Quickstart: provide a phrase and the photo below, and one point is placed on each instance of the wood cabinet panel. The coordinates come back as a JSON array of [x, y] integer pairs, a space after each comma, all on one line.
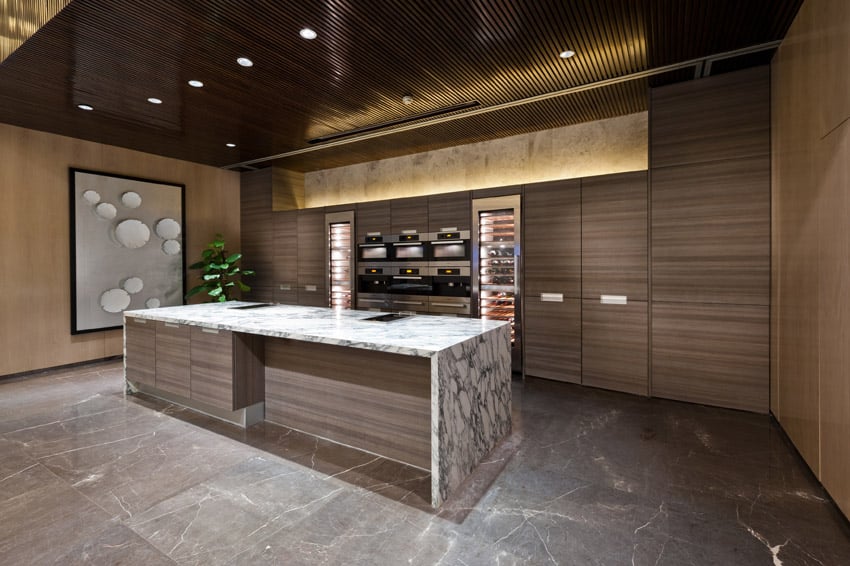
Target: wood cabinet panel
[[552, 238], [372, 217], [373, 400], [312, 242], [614, 346], [409, 214], [257, 233], [172, 358], [614, 232], [552, 339], [140, 356], [285, 250], [711, 354], [212, 367], [717, 118], [711, 232], [449, 210]]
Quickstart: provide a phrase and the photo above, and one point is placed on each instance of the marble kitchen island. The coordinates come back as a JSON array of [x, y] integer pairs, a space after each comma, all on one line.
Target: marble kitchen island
[[432, 392]]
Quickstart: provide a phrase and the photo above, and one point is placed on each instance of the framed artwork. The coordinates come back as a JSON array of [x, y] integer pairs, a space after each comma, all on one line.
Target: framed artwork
[[127, 239]]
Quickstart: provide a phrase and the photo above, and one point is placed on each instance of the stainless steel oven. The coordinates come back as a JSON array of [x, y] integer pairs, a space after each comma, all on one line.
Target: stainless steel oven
[[410, 279], [451, 289], [373, 282], [374, 249], [410, 248], [450, 246]]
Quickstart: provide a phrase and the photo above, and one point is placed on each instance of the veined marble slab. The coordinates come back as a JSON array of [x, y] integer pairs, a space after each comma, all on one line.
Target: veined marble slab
[[419, 335]]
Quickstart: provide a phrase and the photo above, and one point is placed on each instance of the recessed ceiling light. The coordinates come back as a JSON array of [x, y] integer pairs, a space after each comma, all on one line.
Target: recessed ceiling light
[[85, 107], [566, 54], [307, 33], [230, 144], [196, 84], [245, 62], [153, 100]]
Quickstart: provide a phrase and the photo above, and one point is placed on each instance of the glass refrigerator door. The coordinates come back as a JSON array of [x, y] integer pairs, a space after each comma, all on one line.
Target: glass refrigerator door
[[339, 269], [497, 273]]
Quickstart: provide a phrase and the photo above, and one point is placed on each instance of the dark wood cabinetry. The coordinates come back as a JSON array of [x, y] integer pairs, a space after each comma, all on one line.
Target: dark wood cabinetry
[[450, 210], [552, 339], [140, 336], [614, 225], [172, 358], [286, 257], [552, 238], [372, 217], [614, 346], [409, 215], [712, 354], [227, 368], [257, 232], [312, 241]]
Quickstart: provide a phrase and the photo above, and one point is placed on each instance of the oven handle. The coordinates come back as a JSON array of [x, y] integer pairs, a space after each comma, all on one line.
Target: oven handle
[[455, 305], [371, 245], [407, 243], [407, 277], [408, 302], [440, 242]]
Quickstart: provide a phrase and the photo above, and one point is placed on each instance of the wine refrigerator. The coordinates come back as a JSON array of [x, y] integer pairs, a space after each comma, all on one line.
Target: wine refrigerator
[[340, 260]]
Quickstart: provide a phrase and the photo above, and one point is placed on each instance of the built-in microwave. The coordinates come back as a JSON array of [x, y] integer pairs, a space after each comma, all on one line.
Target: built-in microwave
[[450, 246], [410, 248], [374, 249]]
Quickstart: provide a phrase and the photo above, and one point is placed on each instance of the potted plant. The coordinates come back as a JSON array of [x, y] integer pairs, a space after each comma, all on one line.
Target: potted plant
[[220, 272]]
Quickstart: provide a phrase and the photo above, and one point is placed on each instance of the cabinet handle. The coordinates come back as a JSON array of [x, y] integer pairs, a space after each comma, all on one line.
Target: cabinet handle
[[210, 330], [454, 305], [309, 287], [171, 325], [408, 303], [613, 299], [285, 287], [140, 321], [551, 297], [371, 300]]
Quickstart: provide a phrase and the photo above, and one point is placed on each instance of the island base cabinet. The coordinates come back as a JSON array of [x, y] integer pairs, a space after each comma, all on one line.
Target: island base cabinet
[[614, 345], [140, 351], [227, 368], [375, 401], [552, 339], [172, 358]]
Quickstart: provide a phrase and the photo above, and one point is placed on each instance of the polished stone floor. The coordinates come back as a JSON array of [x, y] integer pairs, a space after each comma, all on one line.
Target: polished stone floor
[[88, 476]]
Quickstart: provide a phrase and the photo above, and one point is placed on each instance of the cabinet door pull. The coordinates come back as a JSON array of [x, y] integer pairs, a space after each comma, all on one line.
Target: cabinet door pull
[[172, 325], [210, 330], [309, 287], [453, 305], [140, 321], [552, 297], [408, 303], [613, 299]]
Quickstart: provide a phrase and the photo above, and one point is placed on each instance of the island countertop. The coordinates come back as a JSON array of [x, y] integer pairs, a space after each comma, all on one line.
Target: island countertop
[[417, 335]]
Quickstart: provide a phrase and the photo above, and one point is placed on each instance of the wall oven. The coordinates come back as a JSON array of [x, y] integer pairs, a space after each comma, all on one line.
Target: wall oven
[[450, 246], [372, 287], [409, 248], [410, 280], [374, 249]]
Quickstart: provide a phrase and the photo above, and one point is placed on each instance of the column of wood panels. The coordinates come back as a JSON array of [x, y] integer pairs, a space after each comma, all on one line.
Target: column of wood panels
[[710, 240], [257, 233], [614, 337]]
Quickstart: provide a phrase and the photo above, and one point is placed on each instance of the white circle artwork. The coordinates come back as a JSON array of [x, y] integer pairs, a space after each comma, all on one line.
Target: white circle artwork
[[133, 285], [152, 303], [131, 199], [115, 300], [92, 197], [132, 233], [171, 247], [106, 211], [168, 229]]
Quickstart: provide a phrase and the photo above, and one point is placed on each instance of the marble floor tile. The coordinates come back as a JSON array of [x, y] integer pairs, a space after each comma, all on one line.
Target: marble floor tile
[[588, 477]]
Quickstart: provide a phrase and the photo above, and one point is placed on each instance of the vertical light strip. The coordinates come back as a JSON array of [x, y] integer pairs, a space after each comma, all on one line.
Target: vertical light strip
[[20, 19]]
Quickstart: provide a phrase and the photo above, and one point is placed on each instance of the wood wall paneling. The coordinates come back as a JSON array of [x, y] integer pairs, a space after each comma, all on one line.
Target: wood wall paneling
[[711, 232], [450, 210], [552, 238], [34, 330], [614, 223], [614, 346], [173, 358], [285, 257], [552, 339], [372, 217], [249, 369], [373, 400], [212, 367], [257, 233], [711, 354], [312, 241], [141, 351], [718, 118], [409, 214]]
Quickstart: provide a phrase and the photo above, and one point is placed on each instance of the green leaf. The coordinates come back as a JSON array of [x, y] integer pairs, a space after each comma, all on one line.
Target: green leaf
[[198, 265], [247, 272], [196, 290], [243, 286], [212, 277], [222, 299], [233, 258], [230, 284], [207, 254], [216, 292]]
